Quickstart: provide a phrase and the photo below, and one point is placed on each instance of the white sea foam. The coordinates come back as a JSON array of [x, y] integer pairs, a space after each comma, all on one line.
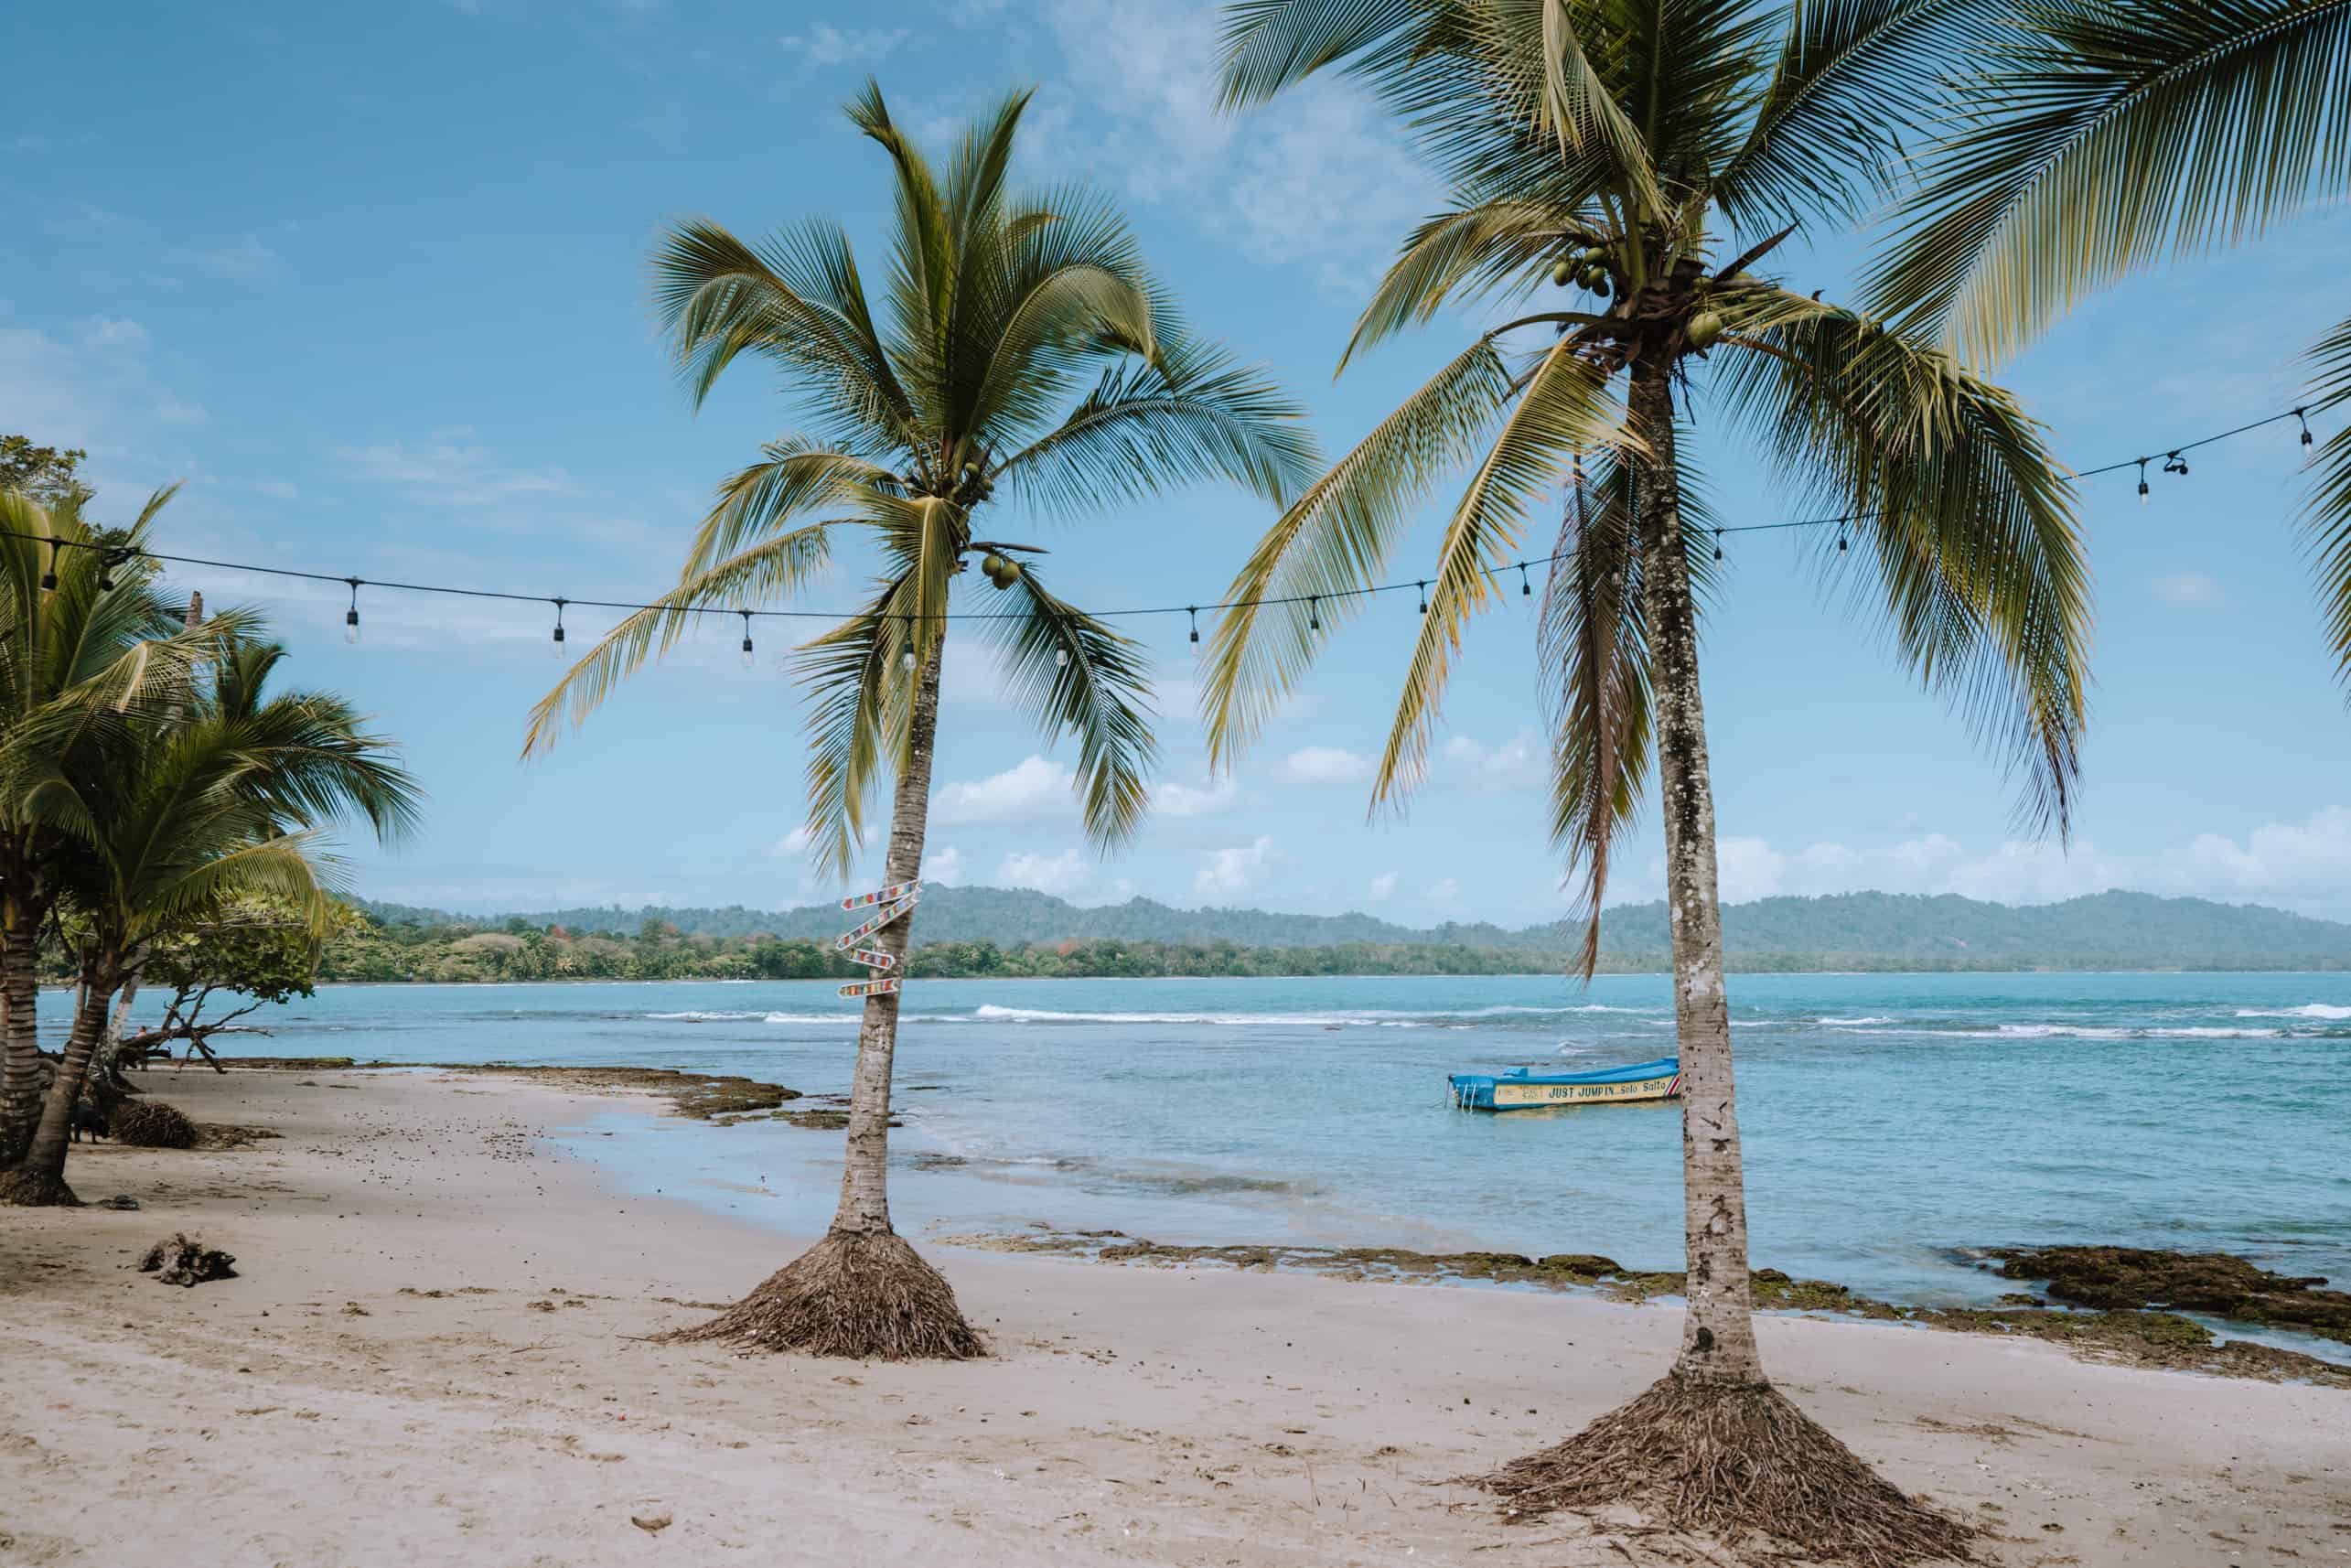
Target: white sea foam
[[1363, 1018], [1851, 1022], [763, 1017], [2308, 1010]]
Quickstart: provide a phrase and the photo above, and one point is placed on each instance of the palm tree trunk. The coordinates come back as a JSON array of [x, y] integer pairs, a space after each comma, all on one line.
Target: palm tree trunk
[[1711, 1447], [108, 1066], [862, 1291], [1718, 1337], [39, 1180], [20, 1036], [864, 1175]]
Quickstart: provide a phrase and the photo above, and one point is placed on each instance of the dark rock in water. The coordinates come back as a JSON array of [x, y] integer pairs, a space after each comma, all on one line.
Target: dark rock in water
[[1590, 1265], [2129, 1278], [186, 1260], [120, 1200]]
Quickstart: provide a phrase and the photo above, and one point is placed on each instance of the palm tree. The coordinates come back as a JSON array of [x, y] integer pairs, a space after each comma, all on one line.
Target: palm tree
[[1653, 156], [165, 821], [1025, 347], [2097, 138], [71, 654]]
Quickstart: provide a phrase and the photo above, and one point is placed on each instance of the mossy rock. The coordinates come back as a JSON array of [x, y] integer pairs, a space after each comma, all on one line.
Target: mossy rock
[[153, 1124]]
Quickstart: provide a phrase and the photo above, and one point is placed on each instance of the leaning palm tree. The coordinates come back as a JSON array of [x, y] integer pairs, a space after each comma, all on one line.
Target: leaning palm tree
[[163, 821], [87, 638], [1655, 156], [1025, 348], [2098, 138]]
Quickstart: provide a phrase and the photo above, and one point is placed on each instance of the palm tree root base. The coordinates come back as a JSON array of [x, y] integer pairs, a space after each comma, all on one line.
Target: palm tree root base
[[22, 1189], [864, 1294], [1733, 1461]]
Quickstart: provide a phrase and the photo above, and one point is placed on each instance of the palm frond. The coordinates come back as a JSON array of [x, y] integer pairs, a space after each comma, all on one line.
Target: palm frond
[[1078, 677], [1334, 541], [852, 676], [1966, 520], [2109, 136], [770, 569], [794, 476], [1565, 407], [2326, 519], [1195, 415]]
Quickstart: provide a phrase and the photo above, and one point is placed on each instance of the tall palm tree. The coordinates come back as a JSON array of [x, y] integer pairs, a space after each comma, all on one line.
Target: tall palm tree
[[2098, 138], [163, 821], [1026, 348], [73, 655], [1655, 156]]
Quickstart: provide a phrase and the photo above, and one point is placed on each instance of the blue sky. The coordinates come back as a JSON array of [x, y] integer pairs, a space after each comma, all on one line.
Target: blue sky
[[373, 282]]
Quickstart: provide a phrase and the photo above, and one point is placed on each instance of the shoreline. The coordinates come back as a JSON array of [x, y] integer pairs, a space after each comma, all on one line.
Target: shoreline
[[434, 1350]]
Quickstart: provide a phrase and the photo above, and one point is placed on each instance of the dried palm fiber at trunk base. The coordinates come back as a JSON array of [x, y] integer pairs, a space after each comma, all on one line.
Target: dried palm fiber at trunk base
[[152, 1125], [23, 1188], [863, 1295], [186, 1260], [1735, 1462]]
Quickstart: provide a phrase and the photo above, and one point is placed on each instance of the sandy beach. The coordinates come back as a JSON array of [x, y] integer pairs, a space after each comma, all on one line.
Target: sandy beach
[[435, 1352]]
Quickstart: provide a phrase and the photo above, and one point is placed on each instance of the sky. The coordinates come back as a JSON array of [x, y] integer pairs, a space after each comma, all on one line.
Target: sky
[[373, 282]]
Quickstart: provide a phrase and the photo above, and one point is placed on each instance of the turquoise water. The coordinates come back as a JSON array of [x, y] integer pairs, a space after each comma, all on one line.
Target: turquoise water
[[1890, 1120]]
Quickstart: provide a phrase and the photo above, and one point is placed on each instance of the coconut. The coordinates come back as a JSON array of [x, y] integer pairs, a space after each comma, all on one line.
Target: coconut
[[1704, 329], [993, 564], [1562, 272]]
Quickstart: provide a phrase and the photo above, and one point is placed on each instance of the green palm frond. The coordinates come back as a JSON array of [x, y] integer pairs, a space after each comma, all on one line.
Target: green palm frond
[[923, 272], [1967, 518], [794, 476], [1592, 661], [854, 677], [2326, 521], [772, 567], [1081, 677], [2107, 136], [1334, 541], [1195, 415], [1489, 247], [1564, 407]]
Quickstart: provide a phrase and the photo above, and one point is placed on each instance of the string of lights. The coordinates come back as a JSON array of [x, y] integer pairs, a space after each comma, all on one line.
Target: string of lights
[[2173, 460]]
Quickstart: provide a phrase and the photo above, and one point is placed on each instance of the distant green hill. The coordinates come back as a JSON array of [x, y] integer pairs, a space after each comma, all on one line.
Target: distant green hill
[[1850, 930]]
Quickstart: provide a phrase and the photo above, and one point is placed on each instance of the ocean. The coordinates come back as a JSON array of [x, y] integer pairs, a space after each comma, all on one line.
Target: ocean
[[1892, 1122]]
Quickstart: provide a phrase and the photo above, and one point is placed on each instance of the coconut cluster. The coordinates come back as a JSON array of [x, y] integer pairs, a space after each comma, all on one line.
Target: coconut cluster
[[1001, 570]]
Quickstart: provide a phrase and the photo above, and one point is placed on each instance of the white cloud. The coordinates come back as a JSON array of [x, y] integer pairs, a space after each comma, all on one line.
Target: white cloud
[[1227, 872], [942, 864], [450, 466], [1444, 892], [1033, 788], [1319, 176], [276, 489], [1323, 765], [1060, 875], [2189, 588], [1515, 764], [114, 332], [1383, 887], [1196, 800], [172, 410], [245, 261], [793, 843], [824, 44]]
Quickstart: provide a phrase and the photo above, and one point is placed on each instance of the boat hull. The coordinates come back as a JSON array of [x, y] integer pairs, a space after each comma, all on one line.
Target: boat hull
[[1616, 1086]]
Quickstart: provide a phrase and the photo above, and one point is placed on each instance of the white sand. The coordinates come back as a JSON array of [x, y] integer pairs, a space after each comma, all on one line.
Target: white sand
[[1130, 1415]]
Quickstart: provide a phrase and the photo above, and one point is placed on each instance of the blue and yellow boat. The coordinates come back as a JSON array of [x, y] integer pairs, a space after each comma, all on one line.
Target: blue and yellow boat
[[1519, 1090]]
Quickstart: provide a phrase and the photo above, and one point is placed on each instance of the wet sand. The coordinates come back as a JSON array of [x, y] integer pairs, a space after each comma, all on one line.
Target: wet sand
[[434, 1353]]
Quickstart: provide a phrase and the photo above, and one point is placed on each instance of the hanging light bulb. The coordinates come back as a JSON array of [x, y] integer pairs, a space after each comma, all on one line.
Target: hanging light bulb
[[557, 645], [1313, 613], [351, 615], [1193, 611], [49, 578], [747, 658], [1424, 598], [2143, 481], [1061, 658], [2302, 415], [1525, 587], [1718, 544]]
